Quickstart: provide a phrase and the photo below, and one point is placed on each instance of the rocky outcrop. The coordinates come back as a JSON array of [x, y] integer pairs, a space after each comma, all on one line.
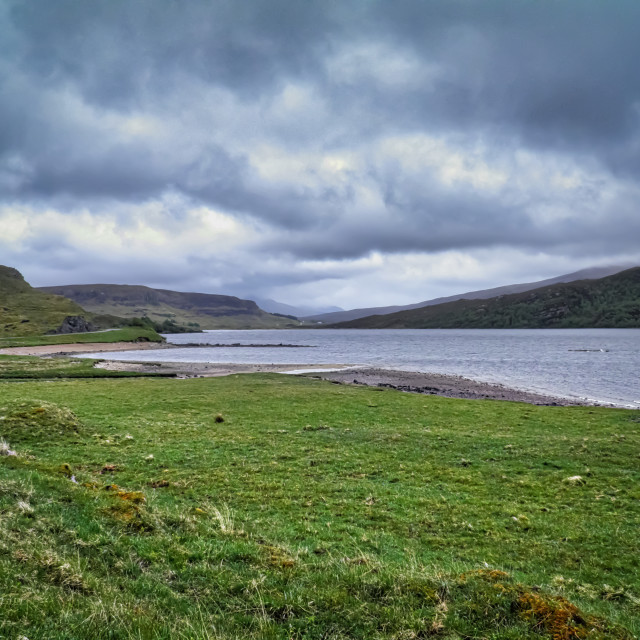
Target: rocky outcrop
[[74, 324]]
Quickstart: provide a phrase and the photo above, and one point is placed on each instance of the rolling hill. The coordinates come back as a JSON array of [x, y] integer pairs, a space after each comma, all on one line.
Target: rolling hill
[[26, 311], [613, 301], [354, 314], [196, 310]]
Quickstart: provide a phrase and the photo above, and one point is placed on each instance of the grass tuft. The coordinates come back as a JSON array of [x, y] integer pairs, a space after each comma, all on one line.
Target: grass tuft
[[5, 449]]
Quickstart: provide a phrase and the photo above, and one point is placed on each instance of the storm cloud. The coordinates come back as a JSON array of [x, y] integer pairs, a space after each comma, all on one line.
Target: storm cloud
[[350, 153]]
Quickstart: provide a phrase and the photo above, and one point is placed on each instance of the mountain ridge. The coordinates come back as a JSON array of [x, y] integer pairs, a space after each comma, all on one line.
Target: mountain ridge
[[354, 314], [612, 301], [191, 309]]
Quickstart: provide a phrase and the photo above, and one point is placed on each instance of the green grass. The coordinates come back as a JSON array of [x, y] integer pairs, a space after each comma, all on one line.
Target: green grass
[[33, 367], [27, 311], [126, 334], [312, 510], [32, 312]]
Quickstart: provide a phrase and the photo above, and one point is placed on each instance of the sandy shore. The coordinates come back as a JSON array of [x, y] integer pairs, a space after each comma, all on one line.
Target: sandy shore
[[71, 349], [206, 369]]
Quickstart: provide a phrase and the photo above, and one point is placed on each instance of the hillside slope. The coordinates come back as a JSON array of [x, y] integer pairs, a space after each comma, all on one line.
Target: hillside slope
[[613, 301], [354, 314], [197, 310], [26, 311]]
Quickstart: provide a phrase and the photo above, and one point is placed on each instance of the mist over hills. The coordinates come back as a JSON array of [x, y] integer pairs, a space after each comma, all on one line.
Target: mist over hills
[[195, 310], [299, 311], [612, 301], [354, 314]]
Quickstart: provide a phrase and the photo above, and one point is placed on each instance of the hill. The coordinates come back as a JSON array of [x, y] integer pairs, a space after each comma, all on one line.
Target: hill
[[26, 311], [354, 314], [613, 301], [196, 310]]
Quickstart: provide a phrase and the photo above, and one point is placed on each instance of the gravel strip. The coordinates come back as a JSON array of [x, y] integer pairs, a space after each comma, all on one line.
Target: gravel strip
[[449, 386]]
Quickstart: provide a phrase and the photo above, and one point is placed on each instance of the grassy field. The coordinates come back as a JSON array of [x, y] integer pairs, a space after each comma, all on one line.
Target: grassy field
[[126, 334], [266, 506]]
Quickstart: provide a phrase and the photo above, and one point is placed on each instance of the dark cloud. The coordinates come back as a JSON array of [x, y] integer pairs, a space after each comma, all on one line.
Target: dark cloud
[[116, 51], [283, 113]]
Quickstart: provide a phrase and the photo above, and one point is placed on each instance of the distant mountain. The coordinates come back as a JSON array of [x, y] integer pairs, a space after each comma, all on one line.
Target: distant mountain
[[354, 314], [26, 311], [613, 301], [196, 310], [273, 306]]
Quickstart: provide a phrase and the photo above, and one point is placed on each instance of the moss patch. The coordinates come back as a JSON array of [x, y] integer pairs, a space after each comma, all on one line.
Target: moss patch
[[24, 421]]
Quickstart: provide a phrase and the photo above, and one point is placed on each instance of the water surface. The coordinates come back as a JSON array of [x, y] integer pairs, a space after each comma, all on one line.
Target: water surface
[[595, 364]]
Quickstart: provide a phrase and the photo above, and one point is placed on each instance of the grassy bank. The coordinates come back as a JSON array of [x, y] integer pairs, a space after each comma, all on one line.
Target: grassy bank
[[36, 368], [126, 334], [265, 506]]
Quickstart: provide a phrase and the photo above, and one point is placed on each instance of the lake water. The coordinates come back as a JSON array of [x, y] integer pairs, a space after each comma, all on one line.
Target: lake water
[[595, 364]]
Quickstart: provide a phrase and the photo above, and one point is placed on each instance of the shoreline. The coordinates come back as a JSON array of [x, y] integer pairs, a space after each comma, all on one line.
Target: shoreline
[[81, 347], [205, 369], [449, 386], [446, 385], [107, 347]]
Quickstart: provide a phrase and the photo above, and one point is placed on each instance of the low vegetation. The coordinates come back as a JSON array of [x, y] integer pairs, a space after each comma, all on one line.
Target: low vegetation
[[612, 302], [27, 311], [266, 506], [125, 334]]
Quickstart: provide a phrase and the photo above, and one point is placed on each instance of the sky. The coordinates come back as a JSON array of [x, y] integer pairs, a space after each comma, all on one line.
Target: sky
[[333, 152]]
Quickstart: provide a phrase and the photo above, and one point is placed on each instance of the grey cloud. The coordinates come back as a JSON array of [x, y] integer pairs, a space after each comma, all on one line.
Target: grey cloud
[[557, 79], [556, 74], [116, 49], [424, 218]]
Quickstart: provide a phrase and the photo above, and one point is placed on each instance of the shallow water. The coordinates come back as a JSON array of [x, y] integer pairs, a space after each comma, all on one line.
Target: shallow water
[[594, 364]]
